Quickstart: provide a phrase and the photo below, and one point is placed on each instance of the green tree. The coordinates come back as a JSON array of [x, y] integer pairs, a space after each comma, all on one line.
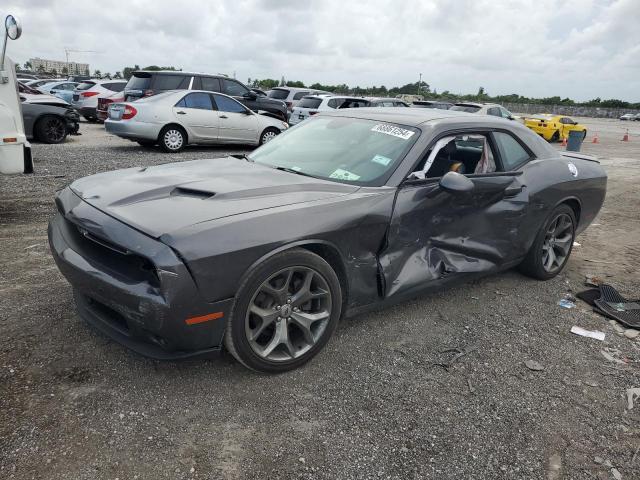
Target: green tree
[[296, 84], [28, 65], [117, 75], [65, 70], [97, 74], [40, 68], [54, 72]]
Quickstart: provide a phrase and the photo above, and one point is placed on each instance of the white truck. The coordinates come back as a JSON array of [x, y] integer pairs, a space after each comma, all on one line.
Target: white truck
[[15, 150]]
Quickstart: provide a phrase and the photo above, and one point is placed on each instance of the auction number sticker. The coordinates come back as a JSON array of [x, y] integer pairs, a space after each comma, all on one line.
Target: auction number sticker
[[402, 133]]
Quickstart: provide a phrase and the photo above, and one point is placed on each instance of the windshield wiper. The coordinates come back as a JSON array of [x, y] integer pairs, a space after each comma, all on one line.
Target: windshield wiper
[[291, 170]]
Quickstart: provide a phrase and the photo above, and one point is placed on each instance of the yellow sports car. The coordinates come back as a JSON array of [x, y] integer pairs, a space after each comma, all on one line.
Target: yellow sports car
[[553, 127]]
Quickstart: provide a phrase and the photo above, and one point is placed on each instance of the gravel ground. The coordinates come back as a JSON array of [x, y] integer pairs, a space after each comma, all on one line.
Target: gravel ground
[[374, 404]]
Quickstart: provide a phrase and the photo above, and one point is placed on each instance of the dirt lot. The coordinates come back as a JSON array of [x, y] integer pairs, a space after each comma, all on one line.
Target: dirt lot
[[74, 405]]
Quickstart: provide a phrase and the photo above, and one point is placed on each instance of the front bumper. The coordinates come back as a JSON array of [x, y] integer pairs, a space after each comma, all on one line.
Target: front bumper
[[132, 287]]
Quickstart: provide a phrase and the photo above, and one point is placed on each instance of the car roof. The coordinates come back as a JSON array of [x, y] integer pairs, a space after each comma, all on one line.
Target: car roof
[[180, 72]]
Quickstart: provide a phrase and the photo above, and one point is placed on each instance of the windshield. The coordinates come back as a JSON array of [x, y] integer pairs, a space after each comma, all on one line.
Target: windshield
[[85, 85], [465, 108], [278, 93], [347, 150], [140, 81]]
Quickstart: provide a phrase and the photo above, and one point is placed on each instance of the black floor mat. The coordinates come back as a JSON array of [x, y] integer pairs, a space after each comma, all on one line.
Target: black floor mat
[[614, 305]]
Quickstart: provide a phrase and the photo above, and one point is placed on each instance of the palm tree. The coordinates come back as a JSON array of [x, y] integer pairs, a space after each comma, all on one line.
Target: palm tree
[[65, 71], [117, 75], [28, 65], [97, 74]]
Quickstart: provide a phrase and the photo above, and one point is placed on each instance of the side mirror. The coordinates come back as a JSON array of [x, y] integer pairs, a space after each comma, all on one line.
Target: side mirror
[[453, 182], [251, 95], [13, 27]]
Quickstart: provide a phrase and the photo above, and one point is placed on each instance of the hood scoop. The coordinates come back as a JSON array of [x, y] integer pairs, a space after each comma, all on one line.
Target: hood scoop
[[192, 193]]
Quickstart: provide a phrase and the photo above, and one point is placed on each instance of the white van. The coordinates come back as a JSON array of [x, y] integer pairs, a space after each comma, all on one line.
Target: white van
[[15, 151]]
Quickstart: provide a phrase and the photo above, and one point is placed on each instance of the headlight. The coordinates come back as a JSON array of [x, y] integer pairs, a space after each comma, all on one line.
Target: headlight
[[285, 125]]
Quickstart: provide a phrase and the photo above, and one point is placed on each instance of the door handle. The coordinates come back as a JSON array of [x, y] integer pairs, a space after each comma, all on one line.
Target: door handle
[[181, 113], [223, 116], [513, 190]]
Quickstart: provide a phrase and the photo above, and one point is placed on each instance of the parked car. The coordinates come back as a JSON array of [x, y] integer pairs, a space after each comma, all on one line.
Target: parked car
[[49, 123], [553, 127], [61, 89], [292, 95], [432, 104], [385, 102], [637, 117], [314, 104], [334, 217], [40, 81], [177, 118], [628, 116], [43, 99], [25, 76], [144, 83], [85, 96], [102, 110], [483, 109]]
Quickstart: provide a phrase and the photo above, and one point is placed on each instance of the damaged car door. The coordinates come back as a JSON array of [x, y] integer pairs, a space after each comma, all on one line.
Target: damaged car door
[[457, 215]]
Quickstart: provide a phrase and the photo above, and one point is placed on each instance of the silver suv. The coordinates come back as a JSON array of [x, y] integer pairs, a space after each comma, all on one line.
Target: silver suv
[[484, 109]]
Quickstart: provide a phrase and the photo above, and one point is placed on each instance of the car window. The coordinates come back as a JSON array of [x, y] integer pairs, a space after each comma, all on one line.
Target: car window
[[226, 104], [512, 153], [333, 103], [505, 113], [467, 154], [171, 82], [495, 111], [233, 88], [299, 95], [85, 85], [341, 149], [115, 86], [310, 102], [199, 100], [211, 84], [279, 93], [465, 108], [68, 86]]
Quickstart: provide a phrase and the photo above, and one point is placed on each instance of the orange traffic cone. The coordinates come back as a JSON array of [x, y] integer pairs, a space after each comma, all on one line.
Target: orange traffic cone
[[626, 136], [596, 139], [564, 142]]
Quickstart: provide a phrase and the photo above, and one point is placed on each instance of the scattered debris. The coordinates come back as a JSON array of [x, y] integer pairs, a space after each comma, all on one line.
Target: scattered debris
[[617, 327], [616, 474], [302, 460], [459, 353], [633, 459], [471, 389], [598, 460], [566, 303], [610, 354], [597, 335], [631, 333], [632, 393], [576, 244], [32, 246], [533, 365], [592, 281]]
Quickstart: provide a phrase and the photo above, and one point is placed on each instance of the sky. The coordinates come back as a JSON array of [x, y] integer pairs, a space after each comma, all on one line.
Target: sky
[[580, 49]]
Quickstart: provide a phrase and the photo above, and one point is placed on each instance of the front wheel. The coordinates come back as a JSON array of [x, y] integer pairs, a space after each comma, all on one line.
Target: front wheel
[[50, 129], [552, 246], [284, 313], [172, 139], [268, 135], [555, 137]]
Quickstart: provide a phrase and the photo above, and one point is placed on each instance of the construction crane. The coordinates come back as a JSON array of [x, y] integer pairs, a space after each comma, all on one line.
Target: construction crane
[[67, 51]]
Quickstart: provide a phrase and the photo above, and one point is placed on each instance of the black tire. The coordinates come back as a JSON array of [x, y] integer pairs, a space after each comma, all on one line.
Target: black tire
[[555, 137], [533, 264], [175, 142], [146, 143], [238, 325], [584, 135], [268, 134], [51, 129]]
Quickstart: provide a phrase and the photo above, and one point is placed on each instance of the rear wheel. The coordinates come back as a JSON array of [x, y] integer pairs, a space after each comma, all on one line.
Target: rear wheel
[[50, 129], [268, 135], [555, 137], [284, 313], [172, 139], [551, 249]]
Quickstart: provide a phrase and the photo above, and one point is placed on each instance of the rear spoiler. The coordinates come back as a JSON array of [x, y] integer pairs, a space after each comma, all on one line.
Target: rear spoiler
[[581, 156]]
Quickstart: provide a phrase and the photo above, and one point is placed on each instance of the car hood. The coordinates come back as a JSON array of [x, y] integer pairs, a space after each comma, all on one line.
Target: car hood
[[166, 198]]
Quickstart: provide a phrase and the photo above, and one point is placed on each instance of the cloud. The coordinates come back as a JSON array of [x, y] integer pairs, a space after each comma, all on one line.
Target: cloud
[[532, 47]]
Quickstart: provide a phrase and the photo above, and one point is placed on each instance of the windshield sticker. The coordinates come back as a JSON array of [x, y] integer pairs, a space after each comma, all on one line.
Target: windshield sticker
[[344, 175], [402, 133], [381, 159]]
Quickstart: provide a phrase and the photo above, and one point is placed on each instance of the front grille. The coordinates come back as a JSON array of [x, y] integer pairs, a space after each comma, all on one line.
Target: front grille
[[115, 259], [108, 314]]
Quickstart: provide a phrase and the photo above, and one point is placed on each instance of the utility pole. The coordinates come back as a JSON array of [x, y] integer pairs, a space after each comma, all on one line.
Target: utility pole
[[420, 85]]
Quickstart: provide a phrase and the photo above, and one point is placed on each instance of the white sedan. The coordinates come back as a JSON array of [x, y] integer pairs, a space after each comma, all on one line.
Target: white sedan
[[178, 118]]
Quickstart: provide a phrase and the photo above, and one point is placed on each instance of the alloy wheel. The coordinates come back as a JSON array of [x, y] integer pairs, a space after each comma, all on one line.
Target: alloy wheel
[[288, 314], [557, 243], [268, 136], [55, 130], [173, 139]]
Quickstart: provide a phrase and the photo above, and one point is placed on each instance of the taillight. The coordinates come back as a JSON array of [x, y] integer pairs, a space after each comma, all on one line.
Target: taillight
[[147, 93], [88, 94], [129, 112]]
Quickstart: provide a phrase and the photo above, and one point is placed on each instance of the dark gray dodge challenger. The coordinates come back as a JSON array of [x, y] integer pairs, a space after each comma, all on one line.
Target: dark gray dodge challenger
[[347, 211]]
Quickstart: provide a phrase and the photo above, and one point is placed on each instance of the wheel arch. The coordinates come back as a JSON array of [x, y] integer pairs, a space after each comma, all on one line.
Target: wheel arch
[[575, 205], [324, 249]]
